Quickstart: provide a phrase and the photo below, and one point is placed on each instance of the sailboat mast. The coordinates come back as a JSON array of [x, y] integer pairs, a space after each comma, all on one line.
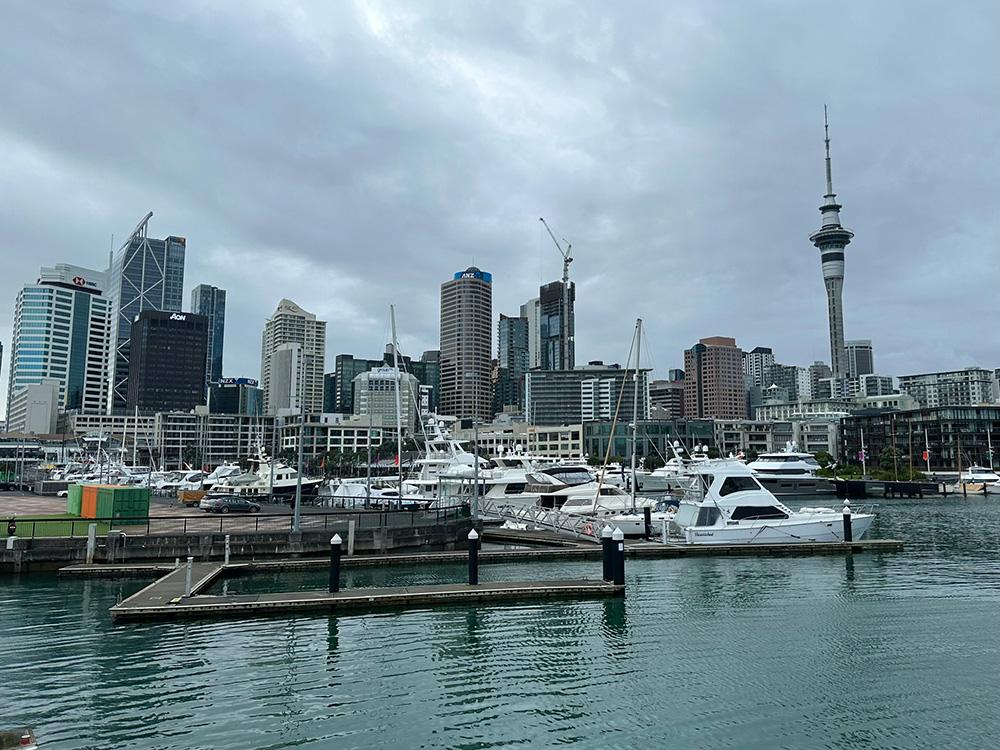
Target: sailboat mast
[[635, 402], [399, 406]]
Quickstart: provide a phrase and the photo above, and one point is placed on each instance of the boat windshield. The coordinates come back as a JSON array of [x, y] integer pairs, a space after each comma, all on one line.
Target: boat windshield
[[738, 484]]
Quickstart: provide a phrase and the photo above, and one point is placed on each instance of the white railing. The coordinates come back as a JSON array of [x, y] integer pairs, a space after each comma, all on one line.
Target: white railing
[[585, 528]]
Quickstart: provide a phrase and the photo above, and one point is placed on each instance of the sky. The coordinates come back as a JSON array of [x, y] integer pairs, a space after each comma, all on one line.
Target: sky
[[350, 156]]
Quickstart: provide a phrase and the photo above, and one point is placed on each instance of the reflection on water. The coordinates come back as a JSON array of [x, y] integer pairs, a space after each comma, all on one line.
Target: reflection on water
[[867, 650]]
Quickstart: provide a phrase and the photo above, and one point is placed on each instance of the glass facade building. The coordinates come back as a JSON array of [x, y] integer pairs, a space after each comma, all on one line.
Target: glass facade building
[[210, 301], [145, 274], [61, 332], [167, 361]]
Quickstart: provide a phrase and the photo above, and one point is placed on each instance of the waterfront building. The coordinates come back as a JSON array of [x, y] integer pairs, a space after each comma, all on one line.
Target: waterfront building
[[290, 324], [236, 396], [860, 357], [804, 409], [654, 437], [941, 429], [202, 439], [167, 354], [592, 391], [713, 379], [346, 434], [968, 387], [34, 409], [210, 301], [831, 240], [467, 345], [756, 364], [61, 333], [666, 398], [145, 274], [512, 363], [870, 384], [375, 395], [501, 437]]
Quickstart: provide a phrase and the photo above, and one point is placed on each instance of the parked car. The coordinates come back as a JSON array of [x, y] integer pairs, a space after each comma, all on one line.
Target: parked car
[[228, 505], [62, 493]]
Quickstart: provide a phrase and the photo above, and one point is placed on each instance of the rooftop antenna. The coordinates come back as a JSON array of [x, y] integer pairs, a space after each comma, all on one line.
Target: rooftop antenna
[[829, 172]]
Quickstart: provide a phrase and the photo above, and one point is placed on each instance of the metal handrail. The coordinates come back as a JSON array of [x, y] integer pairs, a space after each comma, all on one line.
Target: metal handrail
[[588, 528], [205, 523]]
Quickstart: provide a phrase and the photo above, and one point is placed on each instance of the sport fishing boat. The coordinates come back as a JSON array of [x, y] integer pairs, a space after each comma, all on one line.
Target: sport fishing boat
[[728, 505]]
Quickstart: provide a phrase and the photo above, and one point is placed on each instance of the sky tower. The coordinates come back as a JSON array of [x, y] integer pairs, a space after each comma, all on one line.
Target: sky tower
[[831, 240]]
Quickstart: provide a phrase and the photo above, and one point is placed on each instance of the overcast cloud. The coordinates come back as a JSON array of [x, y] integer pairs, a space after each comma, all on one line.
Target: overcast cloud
[[352, 155]]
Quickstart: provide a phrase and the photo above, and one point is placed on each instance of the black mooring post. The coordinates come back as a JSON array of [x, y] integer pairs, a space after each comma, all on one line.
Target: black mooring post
[[335, 544], [607, 554], [618, 542], [848, 534], [473, 558], [647, 519]]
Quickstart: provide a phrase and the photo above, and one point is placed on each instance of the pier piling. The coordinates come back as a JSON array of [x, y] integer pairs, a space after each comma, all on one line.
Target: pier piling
[[226, 559], [473, 558], [335, 547], [618, 541], [848, 532], [187, 578], [607, 554]]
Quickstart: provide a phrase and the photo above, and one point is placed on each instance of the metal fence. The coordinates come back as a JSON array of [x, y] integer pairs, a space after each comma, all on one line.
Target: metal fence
[[257, 523]]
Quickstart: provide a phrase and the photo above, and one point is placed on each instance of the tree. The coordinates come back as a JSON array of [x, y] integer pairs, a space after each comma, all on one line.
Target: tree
[[714, 452], [823, 458], [890, 459], [652, 462]]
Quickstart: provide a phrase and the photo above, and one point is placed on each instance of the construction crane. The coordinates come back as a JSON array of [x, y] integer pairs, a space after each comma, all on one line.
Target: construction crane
[[565, 350], [565, 253]]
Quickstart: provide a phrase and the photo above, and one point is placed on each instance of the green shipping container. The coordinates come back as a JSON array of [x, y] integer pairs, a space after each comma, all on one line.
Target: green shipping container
[[74, 499], [125, 503]]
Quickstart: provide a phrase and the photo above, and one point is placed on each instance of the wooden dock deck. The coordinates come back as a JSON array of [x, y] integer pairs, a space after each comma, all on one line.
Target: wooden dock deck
[[164, 601]]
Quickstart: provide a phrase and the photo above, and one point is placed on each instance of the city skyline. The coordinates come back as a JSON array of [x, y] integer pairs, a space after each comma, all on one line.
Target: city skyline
[[654, 173]]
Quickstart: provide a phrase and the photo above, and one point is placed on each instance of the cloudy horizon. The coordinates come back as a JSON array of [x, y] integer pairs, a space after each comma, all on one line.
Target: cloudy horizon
[[349, 156]]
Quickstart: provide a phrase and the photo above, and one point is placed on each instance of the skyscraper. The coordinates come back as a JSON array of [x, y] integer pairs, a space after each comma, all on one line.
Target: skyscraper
[[713, 380], [210, 301], [512, 363], [145, 274], [61, 333], [167, 354], [467, 344], [755, 364], [860, 358], [831, 240], [290, 324], [532, 312], [556, 322]]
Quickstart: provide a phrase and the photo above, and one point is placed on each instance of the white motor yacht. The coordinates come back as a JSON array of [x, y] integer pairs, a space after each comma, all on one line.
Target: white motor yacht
[[257, 483], [729, 506], [978, 475], [791, 473]]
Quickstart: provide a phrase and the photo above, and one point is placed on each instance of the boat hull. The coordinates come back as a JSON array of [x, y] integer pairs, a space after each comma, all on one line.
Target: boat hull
[[827, 528]]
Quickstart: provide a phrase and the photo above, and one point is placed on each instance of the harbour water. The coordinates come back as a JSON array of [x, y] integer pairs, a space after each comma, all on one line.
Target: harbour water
[[893, 650]]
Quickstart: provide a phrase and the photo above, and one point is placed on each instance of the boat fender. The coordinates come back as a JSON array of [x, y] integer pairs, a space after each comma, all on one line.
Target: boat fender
[[588, 530]]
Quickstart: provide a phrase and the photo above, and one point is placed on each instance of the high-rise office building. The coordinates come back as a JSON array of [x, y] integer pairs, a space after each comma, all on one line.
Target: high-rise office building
[[512, 363], [340, 393], [969, 387], [831, 240], [290, 324], [588, 392], [236, 396], [755, 364], [375, 395], [210, 301], [61, 333], [467, 345], [145, 274], [860, 358], [532, 312], [167, 361], [556, 325], [713, 380]]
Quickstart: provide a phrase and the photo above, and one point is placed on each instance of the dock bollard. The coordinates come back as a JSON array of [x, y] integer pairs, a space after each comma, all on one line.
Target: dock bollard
[[226, 559], [607, 554], [647, 520], [187, 578], [848, 536], [618, 543], [473, 558], [335, 546], [663, 531], [91, 543]]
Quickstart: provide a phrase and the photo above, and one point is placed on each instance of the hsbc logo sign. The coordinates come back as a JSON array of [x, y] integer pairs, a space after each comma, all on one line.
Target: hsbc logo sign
[[80, 281], [178, 316]]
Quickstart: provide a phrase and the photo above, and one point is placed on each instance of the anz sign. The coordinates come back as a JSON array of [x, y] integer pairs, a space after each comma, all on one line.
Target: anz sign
[[475, 274]]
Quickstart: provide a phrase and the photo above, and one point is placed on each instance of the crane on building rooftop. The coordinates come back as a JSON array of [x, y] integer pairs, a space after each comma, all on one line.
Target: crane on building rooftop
[[565, 253]]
